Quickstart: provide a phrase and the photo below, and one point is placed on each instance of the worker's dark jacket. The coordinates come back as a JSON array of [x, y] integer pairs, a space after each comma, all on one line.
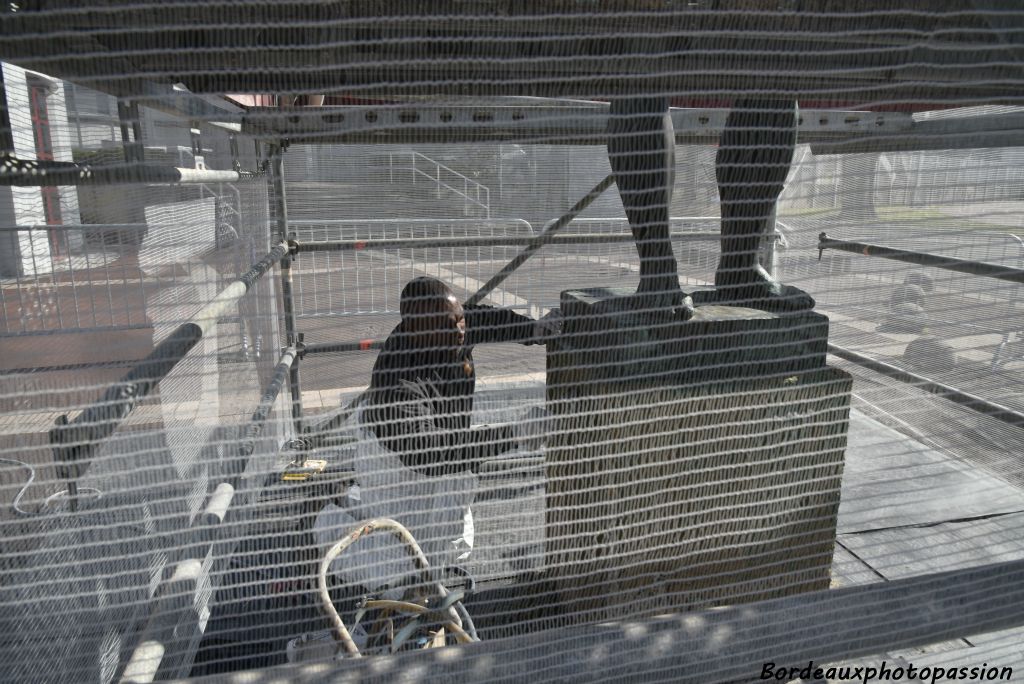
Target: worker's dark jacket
[[429, 425]]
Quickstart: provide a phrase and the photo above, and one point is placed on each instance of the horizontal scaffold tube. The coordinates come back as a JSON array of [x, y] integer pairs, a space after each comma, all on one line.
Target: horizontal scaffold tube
[[73, 441], [31, 172], [267, 401], [1014, 275], [488, 241], [97, 227], [335, 347], [975, 403]]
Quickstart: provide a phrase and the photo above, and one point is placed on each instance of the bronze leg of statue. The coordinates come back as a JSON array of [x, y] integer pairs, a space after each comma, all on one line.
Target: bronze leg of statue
[[754, 156], [641, 149]]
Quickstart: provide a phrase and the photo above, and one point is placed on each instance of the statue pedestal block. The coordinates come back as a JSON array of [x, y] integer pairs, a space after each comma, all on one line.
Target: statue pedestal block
[[691, 463]]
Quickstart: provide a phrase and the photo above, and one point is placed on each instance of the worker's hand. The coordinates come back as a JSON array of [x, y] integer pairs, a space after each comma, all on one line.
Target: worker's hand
[[550, 325]]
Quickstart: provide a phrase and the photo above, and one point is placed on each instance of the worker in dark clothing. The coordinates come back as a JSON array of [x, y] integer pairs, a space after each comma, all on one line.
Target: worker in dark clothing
[[420, 401], [414, 455]]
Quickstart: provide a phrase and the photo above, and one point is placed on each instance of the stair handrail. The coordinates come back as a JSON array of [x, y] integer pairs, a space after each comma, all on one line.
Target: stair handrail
[[467, 182]]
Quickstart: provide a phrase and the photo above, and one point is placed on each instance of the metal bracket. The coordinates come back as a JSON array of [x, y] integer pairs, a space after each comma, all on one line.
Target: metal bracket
[[73, 445], [67, 449], [131, 131], [196, 132], [233, 144]]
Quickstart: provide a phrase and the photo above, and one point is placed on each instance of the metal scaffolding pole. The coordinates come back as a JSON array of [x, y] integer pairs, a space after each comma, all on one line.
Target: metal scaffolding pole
[[975, 403], [1014, 275], [74, 441], [292, 338], [488, 241], [31, 172], [338, 347], [266, 405]]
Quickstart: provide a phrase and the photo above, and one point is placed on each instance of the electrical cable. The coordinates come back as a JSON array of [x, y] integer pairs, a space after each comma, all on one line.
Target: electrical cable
[[28, 483], [16, 504], [64, 492], [447, 611]]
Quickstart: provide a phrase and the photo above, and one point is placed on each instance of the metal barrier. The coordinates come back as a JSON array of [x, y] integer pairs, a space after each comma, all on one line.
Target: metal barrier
[[74, 277], [364, 282], [920, 313], [350, 268], [99, 276], [684, 232], [695, 242]]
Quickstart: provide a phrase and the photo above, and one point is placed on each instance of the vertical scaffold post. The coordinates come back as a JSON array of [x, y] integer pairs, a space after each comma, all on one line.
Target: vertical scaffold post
[[6, 137], [131, 131], [291, 338], [136, 122]]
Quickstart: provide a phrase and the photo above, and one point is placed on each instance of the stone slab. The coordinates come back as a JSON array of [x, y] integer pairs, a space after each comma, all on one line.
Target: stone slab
[[619, 342], [902, 552], [891, 480]]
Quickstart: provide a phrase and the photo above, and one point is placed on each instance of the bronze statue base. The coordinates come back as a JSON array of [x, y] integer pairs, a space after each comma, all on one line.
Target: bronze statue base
[[692, 462]]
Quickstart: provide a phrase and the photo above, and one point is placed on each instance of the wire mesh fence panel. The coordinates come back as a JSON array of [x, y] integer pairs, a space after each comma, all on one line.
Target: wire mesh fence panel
[[366, 279], [98, 519], [510, 341]]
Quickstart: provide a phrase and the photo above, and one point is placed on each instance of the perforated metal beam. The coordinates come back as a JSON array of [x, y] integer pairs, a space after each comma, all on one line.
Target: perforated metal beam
[[583, 123], [971, 132]]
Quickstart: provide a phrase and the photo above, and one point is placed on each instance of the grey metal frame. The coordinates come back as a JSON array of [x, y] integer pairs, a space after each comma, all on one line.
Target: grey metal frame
[[74, 441], [20, 172]]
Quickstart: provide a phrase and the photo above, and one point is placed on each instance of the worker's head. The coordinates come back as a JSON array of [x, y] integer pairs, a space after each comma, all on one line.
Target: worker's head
[[430, 310]]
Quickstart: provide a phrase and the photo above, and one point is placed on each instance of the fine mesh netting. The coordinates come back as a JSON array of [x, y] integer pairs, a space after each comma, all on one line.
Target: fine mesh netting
[[498, 341]]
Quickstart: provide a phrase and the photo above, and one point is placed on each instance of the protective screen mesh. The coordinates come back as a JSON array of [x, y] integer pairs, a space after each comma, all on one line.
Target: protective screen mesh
[[679, 341]]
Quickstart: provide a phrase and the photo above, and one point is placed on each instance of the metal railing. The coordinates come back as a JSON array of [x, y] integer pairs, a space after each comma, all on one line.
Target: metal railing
[[919, 312], [446, 178], [362, 281], [695, 243], [98, 276], [353, 267], [73, 277]]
